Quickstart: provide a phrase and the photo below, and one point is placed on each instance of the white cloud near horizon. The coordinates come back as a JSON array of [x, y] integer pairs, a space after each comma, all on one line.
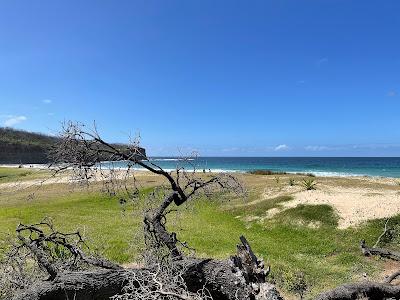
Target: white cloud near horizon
[[13, 120], [282, 147], [316, 148], [47, 101], [392, 93]]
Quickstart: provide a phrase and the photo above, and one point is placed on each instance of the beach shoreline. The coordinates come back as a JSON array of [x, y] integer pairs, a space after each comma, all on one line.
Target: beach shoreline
[[355, 199], [213, 171]]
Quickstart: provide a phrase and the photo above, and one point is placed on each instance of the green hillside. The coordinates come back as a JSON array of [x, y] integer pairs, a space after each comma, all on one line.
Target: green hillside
[[18, 146], [23, 147]]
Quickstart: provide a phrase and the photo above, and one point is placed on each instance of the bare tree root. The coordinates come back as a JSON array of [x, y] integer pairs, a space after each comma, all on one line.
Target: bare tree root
[[392, 277]]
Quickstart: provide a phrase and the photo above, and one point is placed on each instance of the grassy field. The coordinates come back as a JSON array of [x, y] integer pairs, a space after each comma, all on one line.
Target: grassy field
[[16, 174], [300, 239]]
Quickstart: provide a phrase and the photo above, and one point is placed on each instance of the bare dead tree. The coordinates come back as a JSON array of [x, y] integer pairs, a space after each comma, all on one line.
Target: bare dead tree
[[83, 151], [168, 273]]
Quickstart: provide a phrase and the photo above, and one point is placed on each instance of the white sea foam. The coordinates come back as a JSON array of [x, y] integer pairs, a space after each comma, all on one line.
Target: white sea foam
[[197, 170], [329, 174], [171, 159]]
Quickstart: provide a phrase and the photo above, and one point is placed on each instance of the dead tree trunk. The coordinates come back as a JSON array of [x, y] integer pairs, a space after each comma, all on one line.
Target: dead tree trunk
[[89, 285], [241, 277]]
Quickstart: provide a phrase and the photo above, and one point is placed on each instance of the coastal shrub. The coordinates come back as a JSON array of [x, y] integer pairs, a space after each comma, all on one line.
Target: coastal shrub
[[292, 182], [297, 284], [266, 172], [294, 281], [309, 184], [306, 174], [277, 179]]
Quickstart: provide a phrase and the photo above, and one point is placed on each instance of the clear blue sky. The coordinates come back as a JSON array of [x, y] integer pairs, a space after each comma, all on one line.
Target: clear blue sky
[[228, 78]]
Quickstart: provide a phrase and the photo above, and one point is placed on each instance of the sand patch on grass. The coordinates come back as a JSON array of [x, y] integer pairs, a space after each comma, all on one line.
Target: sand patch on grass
[[353, 204]]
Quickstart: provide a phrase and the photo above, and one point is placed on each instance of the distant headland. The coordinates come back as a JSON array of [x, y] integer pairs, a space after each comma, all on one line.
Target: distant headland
[[24, 147]]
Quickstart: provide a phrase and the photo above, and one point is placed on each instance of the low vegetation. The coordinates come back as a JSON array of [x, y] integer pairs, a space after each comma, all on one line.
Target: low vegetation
[[266, 172], [16, 174], [306, 174], [318, 215], [325, 255], [309, 184]]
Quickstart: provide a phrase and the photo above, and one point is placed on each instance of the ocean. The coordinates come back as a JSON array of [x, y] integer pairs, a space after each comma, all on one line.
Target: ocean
[[320, 166]]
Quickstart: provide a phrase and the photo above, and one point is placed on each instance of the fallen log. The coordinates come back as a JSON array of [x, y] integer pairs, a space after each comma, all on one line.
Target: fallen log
[[96, 284], [240, 277], [368, 290]]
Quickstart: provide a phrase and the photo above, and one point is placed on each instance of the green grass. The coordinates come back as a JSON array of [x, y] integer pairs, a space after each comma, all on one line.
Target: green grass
[[326, 255], [322, 214], [259, 208], [101, 218], [13, 173], [18, 174]]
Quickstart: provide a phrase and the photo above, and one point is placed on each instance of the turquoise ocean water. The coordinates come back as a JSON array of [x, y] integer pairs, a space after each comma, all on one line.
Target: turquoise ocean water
[[320, 166]]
